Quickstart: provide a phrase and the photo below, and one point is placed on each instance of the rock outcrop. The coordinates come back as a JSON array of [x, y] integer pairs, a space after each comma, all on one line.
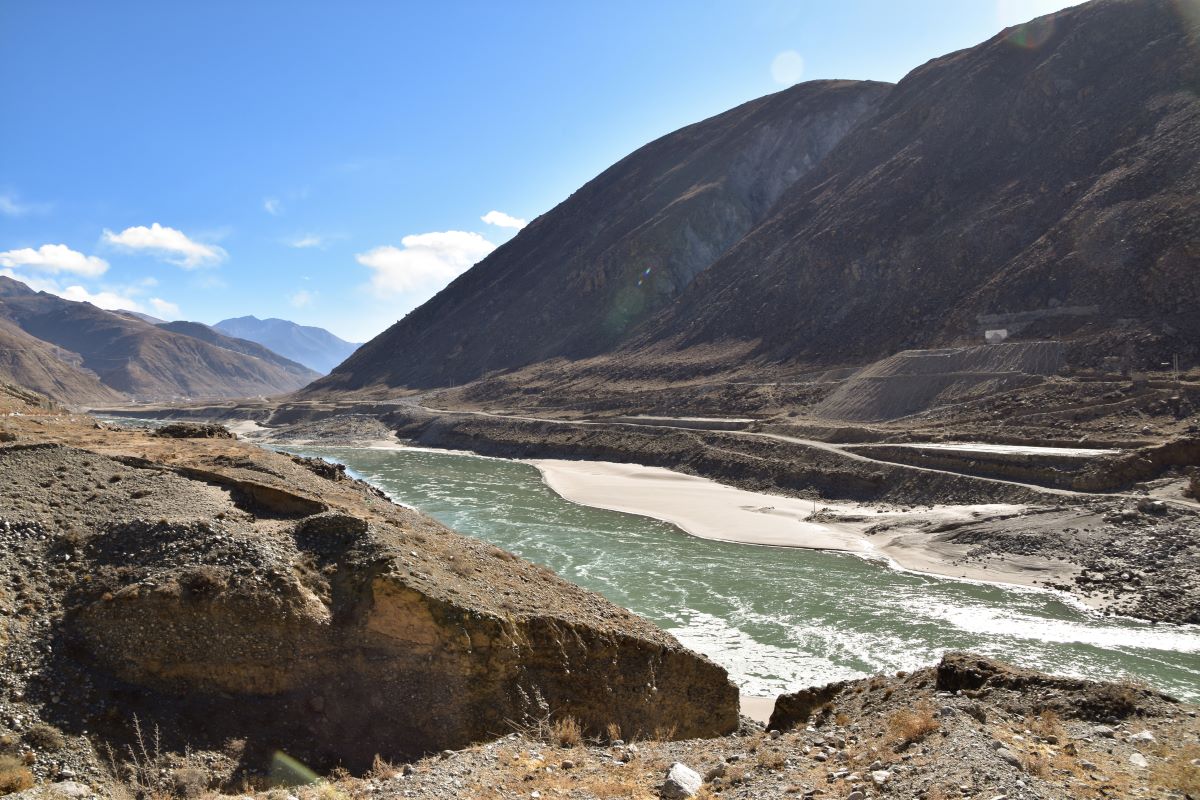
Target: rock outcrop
[[334, 629]]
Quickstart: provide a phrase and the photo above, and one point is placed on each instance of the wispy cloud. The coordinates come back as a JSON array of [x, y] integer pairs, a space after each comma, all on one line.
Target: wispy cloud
[[502, 220], [171, 244], [302, 299], [424, 260], [273, 206], [306, 240], [10, 206], [164, 308], [54, 258]]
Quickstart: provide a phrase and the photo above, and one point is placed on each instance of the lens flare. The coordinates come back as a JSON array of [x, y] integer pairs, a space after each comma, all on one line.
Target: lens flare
[[288, 771], [1032, 34]]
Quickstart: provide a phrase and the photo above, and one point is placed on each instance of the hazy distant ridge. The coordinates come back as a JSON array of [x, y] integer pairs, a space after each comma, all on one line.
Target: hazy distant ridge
[[315, 348]]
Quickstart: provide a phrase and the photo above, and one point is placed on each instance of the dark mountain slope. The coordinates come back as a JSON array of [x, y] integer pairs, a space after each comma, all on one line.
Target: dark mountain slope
[[315, 348], [138, 358], [1002, 179], [205, 333], [579, 278], [34, 364]]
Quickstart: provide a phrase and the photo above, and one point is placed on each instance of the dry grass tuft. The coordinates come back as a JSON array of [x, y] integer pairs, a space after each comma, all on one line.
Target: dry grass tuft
[[1179, 771], [912, 725], [770, 758], [666, 734], [14, 775], [1045, 724], [566, 732], [1035, 764], [382, 769], [612, 731], [45, 736]]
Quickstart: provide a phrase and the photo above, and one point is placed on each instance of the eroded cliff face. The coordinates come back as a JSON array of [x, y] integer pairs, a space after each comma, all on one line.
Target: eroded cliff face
[[334, 636]]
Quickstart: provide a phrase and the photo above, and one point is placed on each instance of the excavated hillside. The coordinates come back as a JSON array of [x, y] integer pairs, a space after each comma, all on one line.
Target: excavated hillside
[[577, 280], [223, 592], [136, 358]]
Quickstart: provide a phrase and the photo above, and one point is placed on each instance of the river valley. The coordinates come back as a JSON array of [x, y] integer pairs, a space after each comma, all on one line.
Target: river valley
[[777, 618]]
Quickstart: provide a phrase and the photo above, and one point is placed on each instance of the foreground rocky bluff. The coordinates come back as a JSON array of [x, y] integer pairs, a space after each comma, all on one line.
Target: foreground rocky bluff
[[228, 592]]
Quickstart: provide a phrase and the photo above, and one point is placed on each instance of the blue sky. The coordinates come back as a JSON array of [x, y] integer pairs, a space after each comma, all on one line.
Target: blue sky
[[333, 163]]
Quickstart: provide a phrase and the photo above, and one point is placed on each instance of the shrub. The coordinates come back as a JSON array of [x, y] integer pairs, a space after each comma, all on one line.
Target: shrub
[[14, 775], [912, 725], [45, 736], [566, 732]]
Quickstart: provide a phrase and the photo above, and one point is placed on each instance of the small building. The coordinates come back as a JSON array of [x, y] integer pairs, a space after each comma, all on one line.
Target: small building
[[995, 336]]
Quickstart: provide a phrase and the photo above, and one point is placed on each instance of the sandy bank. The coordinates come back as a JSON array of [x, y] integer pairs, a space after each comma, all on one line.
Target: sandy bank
[[702, 507], [710, 510]]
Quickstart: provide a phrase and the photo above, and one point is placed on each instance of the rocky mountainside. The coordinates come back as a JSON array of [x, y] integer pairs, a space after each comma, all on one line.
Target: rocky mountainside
[[578, 279], [315, 348], [207, 333], [30, 363], [135, 358], [1044, 182], [1049, 177]]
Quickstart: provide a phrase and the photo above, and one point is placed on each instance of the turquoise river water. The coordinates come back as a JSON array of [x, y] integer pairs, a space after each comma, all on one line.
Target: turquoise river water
[[777, 618]]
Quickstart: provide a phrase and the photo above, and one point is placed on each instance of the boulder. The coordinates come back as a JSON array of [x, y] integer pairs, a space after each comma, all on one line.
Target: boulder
[[682, 782]]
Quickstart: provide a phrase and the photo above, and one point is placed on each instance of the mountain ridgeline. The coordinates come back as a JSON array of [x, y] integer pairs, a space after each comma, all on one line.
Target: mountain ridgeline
[[79, 354], [1046, 181]]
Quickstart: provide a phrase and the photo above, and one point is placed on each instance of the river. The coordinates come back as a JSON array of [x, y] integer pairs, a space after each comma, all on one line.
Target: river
[[777, 618]]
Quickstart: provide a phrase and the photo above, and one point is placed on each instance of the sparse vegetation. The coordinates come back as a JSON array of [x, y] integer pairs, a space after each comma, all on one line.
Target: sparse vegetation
[[566, 732], [1046, 724], [1179, 771], [14, 775], [912, 725], [44, 736]]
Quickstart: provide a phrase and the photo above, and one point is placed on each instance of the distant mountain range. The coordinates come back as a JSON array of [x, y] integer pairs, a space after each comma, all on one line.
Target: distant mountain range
[[82, 355], [1045, 182], [315, 348]]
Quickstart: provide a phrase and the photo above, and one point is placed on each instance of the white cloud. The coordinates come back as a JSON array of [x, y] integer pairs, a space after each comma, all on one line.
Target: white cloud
[[307, 240], [174, 245], [502, 220], [272, 206], [425, 260], [120, 297], [54, 258], [163, 308], [302, 298], [102, 299], [787, 68]]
